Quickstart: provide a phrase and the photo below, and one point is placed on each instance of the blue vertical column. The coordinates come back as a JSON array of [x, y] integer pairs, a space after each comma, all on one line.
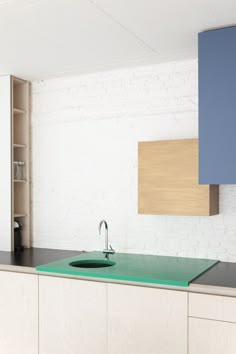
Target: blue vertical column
[[217, 106]]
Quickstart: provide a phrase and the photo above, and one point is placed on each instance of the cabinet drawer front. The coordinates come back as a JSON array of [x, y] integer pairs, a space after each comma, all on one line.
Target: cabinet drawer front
[[214, 307], [211, 337]]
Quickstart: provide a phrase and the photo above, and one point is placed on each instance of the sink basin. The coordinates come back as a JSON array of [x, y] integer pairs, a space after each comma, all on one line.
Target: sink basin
[[92, 263]]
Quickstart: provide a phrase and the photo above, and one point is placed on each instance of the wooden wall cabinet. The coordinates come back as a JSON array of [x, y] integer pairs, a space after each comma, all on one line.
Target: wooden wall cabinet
[[14, 147], [168, 180]]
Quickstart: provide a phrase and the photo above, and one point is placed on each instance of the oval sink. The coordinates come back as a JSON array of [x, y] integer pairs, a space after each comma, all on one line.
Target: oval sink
[[88, 263]]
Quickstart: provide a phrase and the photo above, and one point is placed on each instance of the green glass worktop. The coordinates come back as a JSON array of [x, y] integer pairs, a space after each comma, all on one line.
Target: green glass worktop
[[176, 271]]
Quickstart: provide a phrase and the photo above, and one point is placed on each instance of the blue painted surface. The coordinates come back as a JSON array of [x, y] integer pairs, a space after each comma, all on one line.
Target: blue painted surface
[[217, 106]]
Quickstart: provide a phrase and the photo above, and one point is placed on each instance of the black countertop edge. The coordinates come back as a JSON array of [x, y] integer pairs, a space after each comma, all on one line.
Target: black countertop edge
[[32, 257], [223, 274]]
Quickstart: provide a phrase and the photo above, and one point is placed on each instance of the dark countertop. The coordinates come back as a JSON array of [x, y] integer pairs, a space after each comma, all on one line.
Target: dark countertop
[[32, 257], [223, 274]]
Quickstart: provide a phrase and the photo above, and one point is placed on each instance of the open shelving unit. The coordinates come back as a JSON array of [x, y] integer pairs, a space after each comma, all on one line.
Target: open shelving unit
[[14, 147], [20, 152]]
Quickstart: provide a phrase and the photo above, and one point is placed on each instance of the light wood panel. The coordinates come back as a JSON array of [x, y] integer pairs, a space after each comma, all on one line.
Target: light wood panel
[[211, 337], [72, 316], [168, 180], [14, 146], [18, 313], [20, 152], [221, 308], [146, 321]]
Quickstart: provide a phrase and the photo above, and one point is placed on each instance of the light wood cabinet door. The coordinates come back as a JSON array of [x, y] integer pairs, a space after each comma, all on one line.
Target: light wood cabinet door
[[72, 316], [18, 313], [211, 337], [146, 320]]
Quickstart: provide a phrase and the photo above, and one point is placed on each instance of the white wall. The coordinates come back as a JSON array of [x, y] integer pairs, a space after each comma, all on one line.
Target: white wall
[[85, 131]]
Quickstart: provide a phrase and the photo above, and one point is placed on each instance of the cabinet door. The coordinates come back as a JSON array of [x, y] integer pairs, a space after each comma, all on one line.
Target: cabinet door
[[146, 321], [72, 316], [211, 337], [217, 106], [18, 313]]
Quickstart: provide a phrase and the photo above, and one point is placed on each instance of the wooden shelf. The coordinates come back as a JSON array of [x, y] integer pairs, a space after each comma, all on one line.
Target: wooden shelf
[[19, 215], [19, 146], [18, 111], [20, 180]]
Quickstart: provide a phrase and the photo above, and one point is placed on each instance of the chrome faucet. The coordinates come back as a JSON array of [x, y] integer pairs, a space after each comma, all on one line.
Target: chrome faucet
[[107, 250]]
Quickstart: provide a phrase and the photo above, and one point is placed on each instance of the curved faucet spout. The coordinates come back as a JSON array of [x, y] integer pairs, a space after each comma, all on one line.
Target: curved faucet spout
[[106, 250], [100, 226]]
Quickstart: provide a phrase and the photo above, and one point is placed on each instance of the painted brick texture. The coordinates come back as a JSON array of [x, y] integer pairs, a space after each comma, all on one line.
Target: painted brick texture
[[85, 131]]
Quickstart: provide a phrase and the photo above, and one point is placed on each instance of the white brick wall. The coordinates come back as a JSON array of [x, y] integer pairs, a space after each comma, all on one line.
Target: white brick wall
[[85, 131]]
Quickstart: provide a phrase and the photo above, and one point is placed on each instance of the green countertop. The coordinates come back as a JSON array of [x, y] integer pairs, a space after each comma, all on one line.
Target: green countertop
[[164, 270]]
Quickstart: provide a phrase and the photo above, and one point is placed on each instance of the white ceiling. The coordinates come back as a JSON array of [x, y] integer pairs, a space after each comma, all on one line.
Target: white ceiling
[[49, 38]]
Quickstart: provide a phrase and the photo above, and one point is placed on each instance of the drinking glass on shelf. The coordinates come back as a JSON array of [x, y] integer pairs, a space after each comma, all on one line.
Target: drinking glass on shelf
[[19, 170]]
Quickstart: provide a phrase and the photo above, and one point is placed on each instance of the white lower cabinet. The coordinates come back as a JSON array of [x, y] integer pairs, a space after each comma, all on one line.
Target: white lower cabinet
[[54, 315], [83, 317], [146, 320], [18, 313], [211, 337], [212, 324], [72, 316]]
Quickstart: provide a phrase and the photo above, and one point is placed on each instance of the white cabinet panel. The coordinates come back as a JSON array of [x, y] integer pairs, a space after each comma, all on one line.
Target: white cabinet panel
[[214, 307], [211, 337], [18, 313], [146, 321], [72, 316]]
